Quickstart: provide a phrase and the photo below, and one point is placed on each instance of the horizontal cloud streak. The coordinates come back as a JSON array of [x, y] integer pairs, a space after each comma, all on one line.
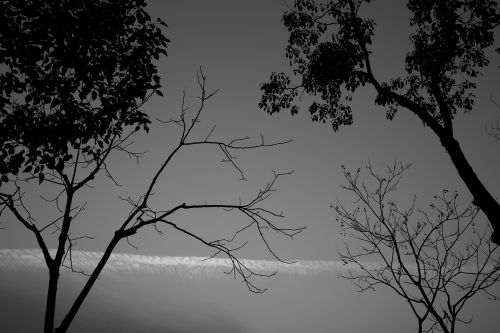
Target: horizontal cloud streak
[[191, 267], [29, 259]]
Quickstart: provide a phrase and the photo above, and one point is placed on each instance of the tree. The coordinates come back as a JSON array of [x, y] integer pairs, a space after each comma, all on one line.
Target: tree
[[76, 74], [436, 259], [329, 48]]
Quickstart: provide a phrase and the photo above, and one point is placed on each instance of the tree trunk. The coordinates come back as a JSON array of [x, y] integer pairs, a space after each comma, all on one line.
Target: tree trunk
[[482, 198], [87, 287], [50, 308]]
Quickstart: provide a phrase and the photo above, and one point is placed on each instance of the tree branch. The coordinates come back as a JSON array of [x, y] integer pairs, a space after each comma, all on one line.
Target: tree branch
[[436, 262]]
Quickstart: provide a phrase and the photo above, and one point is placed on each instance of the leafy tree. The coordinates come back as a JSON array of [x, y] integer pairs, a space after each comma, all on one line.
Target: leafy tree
[[435, 259], [74, 76], [330, 47]]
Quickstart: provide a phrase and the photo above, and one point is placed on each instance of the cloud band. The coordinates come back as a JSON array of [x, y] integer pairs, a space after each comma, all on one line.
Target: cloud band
[[32, 259]]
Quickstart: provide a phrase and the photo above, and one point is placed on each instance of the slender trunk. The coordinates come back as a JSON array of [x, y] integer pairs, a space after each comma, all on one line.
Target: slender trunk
[[420, 326], [88, 285], [482, 198], [50, 308]]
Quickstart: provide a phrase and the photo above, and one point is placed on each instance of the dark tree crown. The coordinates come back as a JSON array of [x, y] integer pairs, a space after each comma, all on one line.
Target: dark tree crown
[[329, 49], [73, 74]]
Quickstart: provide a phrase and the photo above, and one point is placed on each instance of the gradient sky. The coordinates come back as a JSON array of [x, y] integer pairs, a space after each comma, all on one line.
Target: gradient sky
[[238, 44]]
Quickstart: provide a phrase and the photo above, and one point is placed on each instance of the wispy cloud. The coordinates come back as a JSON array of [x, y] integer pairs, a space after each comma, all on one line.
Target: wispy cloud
[[191, 267], [32, 259]]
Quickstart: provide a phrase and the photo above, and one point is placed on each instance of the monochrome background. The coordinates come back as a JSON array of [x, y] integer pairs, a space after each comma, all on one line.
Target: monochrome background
[[238, 44]]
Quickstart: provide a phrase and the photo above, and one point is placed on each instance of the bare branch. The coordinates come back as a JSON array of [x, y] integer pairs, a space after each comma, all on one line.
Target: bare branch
[[259, 218], [142, 214], [435, 259]]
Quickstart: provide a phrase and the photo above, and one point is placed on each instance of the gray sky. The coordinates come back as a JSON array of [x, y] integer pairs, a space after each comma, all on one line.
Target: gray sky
[[238, 44], [184, 294]]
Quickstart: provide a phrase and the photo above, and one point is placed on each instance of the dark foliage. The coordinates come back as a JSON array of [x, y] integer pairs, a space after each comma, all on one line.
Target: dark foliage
[[73, 74], [329, 49]]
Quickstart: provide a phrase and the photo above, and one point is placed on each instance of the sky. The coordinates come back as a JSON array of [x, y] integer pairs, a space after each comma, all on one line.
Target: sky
[[238, 44]]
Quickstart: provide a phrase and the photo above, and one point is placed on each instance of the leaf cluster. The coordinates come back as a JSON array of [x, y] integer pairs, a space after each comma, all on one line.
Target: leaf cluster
[[329, 49], [73, 74]]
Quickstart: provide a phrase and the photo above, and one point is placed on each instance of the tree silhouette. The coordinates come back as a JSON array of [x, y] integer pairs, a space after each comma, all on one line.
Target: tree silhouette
[[435, 259], [74, 77], [329, 48]]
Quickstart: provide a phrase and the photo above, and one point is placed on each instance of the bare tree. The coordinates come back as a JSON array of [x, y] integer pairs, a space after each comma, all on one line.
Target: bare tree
[[436, 259], [79, 172]]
